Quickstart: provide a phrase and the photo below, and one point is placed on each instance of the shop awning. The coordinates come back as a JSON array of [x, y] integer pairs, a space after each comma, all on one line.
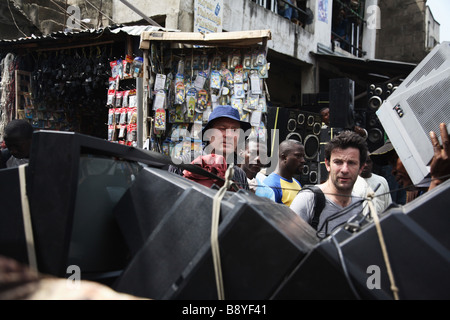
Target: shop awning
[[365, 69], [224, 39], [35, 41]]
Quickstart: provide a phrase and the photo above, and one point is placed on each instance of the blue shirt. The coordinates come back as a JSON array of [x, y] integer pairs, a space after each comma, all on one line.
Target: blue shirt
[[285, 190]]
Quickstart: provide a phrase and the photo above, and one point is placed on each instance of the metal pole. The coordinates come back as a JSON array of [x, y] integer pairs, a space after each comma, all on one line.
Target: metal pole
[[357, 41], [65, 18], [353, 39], [140, 112]]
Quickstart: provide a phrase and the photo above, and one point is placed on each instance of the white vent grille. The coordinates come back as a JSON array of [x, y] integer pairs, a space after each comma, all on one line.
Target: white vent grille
[[432, 105], [436, 61]]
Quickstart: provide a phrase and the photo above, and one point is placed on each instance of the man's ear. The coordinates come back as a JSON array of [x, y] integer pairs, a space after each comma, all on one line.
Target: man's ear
[[327, 165], [360, 170]]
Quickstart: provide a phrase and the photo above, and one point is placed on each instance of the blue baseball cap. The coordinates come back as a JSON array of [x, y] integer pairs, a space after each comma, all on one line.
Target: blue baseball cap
[[226, 111]]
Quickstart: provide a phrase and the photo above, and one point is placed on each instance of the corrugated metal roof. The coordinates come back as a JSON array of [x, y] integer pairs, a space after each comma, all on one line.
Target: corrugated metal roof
[[131, 30]]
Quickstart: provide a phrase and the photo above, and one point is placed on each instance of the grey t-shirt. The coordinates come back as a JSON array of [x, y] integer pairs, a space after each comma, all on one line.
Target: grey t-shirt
[[15, 162], [303, 205]]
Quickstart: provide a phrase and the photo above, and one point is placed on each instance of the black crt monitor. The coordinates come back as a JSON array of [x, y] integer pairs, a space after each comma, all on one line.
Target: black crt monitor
[[73, 182], [12, 231]]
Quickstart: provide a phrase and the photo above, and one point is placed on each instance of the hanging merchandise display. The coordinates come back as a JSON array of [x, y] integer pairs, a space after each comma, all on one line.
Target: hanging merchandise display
[[185, 82], [63, 89], [122, 100]]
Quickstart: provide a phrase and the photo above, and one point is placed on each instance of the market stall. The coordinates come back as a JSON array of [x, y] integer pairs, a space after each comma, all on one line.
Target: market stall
[[186, 74], [60, 81]]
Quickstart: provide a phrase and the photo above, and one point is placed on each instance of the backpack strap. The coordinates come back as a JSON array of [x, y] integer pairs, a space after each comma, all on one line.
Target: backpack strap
[[319, 199]]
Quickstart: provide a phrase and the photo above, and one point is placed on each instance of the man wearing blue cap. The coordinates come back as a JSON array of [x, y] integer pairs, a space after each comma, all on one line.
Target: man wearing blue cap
[[222, 133]]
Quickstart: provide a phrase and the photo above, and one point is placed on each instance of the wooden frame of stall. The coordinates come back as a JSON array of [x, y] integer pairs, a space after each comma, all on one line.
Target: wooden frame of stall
[[237, 39]]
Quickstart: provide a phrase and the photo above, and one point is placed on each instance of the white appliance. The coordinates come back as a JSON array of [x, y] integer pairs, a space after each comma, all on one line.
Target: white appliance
[[420, 103]]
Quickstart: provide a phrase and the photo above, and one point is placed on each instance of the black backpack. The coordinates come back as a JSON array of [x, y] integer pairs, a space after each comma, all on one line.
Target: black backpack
[[319, 199]]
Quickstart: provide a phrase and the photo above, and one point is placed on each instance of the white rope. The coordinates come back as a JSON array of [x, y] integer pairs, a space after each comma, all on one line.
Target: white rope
[[215, 231], [27, 219], [376, 220]]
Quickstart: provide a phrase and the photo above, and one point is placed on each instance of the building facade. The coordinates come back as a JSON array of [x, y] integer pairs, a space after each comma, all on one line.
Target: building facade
[[366, 29]]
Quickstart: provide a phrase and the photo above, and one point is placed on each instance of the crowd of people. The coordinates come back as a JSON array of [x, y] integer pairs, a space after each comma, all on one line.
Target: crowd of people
[[350, 184], [348, 162]]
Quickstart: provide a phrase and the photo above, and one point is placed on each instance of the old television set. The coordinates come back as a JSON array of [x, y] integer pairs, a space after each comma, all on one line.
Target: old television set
[[418, 106], [73, 183]]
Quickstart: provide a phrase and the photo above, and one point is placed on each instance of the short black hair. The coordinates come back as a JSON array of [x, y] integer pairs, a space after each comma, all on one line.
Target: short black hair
[[287, 146], [18, 129], [348, 139]]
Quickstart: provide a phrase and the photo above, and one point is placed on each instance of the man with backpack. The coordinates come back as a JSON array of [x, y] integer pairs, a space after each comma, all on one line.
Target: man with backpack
[[345, 156]]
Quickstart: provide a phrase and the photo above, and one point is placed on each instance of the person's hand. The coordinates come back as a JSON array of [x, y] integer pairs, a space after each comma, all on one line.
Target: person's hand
[[440, 164]]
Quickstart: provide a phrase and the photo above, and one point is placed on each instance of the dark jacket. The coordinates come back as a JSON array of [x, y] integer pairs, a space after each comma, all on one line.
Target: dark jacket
[[4, 156]]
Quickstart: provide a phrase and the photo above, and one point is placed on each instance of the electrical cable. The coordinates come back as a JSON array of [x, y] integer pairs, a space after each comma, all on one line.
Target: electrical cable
[[98, 10], [14, 20], [61, 9], [337, 215], [344, 267]]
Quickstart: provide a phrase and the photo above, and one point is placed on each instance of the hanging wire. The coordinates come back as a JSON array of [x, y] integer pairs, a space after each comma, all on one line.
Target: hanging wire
[[406, 188], [344, 268], [98, 10], [14, 20], [61, 9]]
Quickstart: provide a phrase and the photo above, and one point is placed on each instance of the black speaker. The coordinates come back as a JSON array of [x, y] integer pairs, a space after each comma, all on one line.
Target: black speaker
[[342, 100], [310, 99], [12, 230], [313, 102], [313, 122], [310, 173], [305, 127], [375, 131], [312, 147], [323, 99], [72, 195], [141, 209], [360, 118], [325, 137], [296, 125], [260, 243], [429, 211], [377, 93], [277, 119], [350, 264]]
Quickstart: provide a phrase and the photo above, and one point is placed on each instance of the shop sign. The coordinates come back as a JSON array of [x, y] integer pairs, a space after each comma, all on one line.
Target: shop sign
[[208, 15]]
